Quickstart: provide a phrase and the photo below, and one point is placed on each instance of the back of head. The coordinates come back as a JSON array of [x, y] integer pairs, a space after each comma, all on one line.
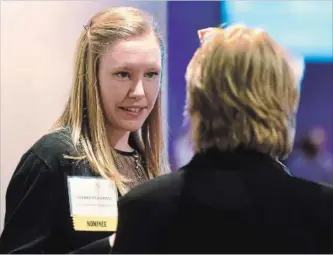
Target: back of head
[[242, 92]]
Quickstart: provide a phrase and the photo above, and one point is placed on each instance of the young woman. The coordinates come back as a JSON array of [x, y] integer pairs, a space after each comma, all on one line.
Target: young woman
[[62, 197]]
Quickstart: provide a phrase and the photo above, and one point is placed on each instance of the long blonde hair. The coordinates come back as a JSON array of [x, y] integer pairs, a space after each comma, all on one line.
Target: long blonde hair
[[84, 112], [242, 92]]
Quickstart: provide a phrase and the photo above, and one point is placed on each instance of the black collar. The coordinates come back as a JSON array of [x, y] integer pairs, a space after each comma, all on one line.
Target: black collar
[[238, 159]]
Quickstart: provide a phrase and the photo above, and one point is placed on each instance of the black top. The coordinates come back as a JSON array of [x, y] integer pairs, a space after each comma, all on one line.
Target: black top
[[38, 216], [237, 202]]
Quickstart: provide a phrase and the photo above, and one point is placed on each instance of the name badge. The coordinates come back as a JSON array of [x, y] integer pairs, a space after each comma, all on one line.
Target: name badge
[[93, 203]]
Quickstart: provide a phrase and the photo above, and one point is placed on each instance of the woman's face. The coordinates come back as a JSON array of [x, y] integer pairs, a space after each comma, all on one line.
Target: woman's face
[[129, 80]]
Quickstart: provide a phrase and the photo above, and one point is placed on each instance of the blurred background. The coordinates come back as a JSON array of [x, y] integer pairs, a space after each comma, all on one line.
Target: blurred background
[[38, 41]]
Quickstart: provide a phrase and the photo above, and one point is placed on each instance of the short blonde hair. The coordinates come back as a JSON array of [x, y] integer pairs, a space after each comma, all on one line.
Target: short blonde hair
[[242, 92]]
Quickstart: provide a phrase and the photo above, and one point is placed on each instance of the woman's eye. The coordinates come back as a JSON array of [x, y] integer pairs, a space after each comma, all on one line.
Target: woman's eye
[[123, 75], [151, 75]]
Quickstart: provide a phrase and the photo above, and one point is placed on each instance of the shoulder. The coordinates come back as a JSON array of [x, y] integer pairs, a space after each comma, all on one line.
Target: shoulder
[[319, 202], [314, 196], [158, 190], [44, 163], [326, 194], [45, 155], [310, 189], [53, 147]]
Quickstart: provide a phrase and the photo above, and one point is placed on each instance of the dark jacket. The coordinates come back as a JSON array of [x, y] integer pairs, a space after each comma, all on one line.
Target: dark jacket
[[236, 202], [38, 216]]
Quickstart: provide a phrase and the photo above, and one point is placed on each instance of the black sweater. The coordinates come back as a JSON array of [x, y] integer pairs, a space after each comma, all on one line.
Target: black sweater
[[38, 216]]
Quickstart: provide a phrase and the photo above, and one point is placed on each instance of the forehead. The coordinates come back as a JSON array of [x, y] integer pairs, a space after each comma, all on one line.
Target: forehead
[[139, 51]]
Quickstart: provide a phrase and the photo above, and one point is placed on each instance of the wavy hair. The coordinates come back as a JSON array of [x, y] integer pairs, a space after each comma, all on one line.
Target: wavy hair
[[242, 92]]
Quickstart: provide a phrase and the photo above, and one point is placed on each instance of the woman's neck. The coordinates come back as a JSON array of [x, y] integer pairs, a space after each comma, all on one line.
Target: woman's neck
[[119, 139]]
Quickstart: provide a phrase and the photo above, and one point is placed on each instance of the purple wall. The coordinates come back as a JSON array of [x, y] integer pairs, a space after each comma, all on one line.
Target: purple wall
[[184, 19], [316, 101]]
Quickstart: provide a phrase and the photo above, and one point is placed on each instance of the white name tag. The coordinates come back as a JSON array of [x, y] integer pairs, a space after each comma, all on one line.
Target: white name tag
[[93, 203]]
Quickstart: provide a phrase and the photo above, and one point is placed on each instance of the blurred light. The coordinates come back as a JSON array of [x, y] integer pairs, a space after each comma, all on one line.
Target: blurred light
[[305, 26]]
